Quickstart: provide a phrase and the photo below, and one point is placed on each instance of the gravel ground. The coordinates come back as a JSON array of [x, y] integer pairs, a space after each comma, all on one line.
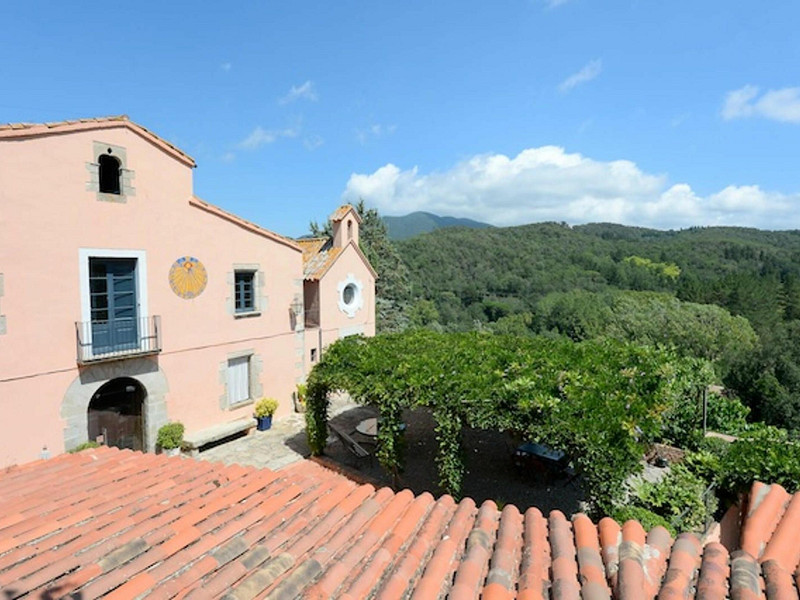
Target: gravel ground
[[490, 474]]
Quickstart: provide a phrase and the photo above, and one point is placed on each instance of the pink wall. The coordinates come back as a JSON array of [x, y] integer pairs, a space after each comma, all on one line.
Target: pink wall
[[335, 323], [48, 215]]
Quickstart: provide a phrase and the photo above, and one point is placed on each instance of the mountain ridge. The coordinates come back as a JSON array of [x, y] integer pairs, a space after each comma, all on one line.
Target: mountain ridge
[[418, 222]]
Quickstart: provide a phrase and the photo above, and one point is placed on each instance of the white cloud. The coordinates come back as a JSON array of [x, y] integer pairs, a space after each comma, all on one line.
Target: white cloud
[[260, 137], [312, 142], [374, 131], [587, 73], [228, 157], [549, 184], [778, 105], [304, 91], [226, 66]]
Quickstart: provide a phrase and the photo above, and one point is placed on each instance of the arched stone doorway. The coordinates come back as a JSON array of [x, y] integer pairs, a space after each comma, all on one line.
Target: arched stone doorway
[[115, 415], [82, 390]]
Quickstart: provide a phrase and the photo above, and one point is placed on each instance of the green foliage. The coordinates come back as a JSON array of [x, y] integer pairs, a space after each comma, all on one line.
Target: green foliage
[[516, 324], [755, 275], [762, 454], [600, 402], [423, 313], [699, 330], [706, 463], [670, 270], [726, 414], [265, 407], [683, 425], [680, 498], [647, 518], [84, 446], [170, 436], [317, 413], [301, 390]]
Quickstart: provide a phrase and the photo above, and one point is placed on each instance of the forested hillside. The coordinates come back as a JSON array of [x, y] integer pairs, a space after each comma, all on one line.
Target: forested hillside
[[582, 282]]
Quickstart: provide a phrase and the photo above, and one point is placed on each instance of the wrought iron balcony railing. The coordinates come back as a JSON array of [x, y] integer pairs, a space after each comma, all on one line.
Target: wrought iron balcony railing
[[120, 338]]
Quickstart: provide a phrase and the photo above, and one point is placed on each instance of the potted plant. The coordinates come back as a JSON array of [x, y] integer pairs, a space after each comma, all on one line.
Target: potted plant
[[300, 398], [263, 412], [170, 438]]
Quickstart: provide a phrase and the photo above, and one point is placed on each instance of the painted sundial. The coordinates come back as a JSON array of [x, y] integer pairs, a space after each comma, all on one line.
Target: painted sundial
[[188, 277]]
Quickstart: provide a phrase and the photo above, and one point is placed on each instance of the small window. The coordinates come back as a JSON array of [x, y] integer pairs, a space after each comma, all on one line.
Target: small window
[[349, 230], [245, 293], [109, 174], [313, 355], [238, 379]]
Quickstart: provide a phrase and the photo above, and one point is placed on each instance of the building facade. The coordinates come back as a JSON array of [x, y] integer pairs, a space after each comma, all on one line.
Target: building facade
[[126, 302]]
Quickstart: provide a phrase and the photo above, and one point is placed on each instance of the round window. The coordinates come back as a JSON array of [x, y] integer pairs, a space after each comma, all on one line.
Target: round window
[[349, 294]]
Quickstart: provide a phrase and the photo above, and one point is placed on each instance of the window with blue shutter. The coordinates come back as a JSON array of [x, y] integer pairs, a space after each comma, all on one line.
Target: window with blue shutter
[[245, 291]]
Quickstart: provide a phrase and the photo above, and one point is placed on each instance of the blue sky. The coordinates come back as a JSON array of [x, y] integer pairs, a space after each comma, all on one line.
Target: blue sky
[[662, 114]]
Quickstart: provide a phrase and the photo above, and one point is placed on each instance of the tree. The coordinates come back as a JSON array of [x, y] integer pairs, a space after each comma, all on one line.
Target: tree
[[700, 330]]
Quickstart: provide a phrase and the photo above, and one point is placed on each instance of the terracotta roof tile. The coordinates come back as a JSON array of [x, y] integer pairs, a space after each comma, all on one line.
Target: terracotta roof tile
[[318, 256], [342, 211], [126, 524]]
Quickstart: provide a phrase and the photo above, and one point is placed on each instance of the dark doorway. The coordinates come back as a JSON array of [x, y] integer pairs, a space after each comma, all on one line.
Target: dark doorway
[[115, 414]]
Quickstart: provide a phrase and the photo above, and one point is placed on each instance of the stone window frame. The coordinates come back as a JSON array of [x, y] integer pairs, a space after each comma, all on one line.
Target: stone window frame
[[260, 299], [126, 175], [255, 369], [2, 317]]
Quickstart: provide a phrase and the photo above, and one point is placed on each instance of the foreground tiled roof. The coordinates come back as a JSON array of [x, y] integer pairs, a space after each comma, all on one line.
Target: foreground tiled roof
[[119, 524], [318, 256], [22, 130]]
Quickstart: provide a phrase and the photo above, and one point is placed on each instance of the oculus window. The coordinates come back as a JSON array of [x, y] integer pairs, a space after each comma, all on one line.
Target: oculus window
[[351, 298]]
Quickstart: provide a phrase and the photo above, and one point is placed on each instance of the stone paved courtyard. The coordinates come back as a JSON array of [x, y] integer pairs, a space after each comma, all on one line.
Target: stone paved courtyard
[[285, 442]]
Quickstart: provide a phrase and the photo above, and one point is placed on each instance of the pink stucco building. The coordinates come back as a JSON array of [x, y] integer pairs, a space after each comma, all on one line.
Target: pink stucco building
[[127, 302]]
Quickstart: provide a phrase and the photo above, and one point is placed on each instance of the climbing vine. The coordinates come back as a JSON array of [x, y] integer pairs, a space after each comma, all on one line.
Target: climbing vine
[[601, 402]]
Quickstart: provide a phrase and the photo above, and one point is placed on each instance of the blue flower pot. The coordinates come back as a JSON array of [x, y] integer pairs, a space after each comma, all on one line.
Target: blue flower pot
[[264, 423]]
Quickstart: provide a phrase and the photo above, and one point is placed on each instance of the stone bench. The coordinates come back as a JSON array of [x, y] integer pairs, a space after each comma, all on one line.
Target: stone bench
[[194, 442]]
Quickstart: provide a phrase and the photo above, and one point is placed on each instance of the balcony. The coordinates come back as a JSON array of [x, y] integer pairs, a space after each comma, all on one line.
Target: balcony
[[99, 341]]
